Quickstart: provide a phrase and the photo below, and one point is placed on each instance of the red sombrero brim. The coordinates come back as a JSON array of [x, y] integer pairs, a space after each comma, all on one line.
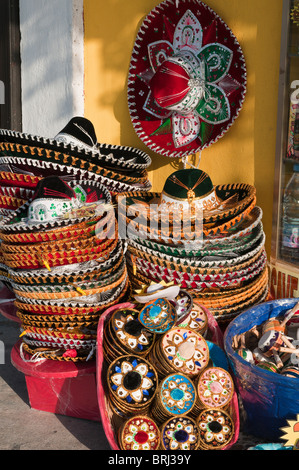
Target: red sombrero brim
[[156, 38]]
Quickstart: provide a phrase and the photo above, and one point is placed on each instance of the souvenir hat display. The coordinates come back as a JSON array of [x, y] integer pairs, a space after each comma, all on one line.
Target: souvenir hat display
[[70, 267], [134, 331], [74, 153], [207, 239], [159, 382], [187, 78]]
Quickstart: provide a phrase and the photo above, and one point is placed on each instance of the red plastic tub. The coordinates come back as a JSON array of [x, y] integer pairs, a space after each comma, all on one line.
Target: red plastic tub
[[63, 388], [106, 413]]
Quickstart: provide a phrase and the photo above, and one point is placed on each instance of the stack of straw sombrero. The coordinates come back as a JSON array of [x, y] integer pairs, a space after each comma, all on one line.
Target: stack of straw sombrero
[[64, 261], [209, 240], [74, 154]]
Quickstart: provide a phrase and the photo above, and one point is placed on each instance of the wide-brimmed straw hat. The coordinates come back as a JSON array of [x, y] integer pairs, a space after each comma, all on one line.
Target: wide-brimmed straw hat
[[187, 78]]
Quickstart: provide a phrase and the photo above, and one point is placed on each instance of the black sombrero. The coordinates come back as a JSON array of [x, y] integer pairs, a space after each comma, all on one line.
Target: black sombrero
[[78, 138]]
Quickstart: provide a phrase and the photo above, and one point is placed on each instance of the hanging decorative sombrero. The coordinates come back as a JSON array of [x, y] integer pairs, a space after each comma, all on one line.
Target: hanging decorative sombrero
[[187, 78]]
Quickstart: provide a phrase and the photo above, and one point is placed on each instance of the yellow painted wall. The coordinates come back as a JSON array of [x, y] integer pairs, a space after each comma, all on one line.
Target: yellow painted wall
[[247, 151]]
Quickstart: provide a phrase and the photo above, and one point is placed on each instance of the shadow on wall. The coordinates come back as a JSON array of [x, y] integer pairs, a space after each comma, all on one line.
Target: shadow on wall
[[115, 26]]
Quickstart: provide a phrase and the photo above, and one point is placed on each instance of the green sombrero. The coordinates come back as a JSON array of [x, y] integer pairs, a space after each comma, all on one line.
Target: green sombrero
[[188, 194]]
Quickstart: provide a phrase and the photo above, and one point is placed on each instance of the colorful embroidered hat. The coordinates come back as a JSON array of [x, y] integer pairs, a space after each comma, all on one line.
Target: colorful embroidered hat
[[187, 78], [78, 139], [180, 433], [188, 196], [132, 382], [216, 429], [56, 204], [70, 344], [52, 198], [176, 397], [30, 164], [139, 433], [158, 316], [188, 187]]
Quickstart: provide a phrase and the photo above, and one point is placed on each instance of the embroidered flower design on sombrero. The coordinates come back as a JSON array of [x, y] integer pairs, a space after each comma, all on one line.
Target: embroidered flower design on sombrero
[[180, 434], [177, 394], [132, 381], [186, 350], [187, 85], [141, 434], [216, 428], [130, 331], [195, 80]]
